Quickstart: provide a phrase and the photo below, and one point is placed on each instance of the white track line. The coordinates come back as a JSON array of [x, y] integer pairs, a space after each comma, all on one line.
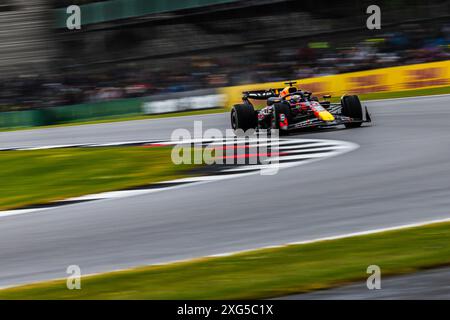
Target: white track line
[[302, 156], [9, 213], [48, 147], [118, 143], [305, 146], [314, 149], [114, 194], [340, 236], [262, 167]]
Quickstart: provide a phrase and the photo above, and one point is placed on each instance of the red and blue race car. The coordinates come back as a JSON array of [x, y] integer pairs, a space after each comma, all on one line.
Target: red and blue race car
[[289, 108]]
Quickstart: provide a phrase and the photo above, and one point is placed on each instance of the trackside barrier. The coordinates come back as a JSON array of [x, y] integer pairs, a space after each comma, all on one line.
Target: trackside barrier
[[411, 77], [91, 111], [15, 119], [184, 101], [72, 113]]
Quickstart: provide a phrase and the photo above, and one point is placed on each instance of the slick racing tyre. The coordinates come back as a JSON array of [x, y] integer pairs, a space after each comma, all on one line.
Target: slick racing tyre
[[243, 117], [351, 107]]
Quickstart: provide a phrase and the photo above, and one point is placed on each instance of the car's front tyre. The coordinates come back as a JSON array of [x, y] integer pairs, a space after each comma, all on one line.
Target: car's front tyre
[[351, 107]]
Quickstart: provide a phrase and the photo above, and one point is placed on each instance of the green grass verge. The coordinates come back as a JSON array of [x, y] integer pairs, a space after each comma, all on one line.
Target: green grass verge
[[262, 273], [40, 176]]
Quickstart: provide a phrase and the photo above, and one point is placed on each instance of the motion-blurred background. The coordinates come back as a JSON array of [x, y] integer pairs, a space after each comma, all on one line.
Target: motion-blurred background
[[136, 59], [132, 48]]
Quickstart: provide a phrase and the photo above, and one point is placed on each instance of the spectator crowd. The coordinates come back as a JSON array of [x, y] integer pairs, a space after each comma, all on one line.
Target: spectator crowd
[[411, 44]]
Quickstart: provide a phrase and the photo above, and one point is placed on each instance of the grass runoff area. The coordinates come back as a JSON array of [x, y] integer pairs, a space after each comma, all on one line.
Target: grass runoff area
[[263, 273], [363, 97], [39, 176]]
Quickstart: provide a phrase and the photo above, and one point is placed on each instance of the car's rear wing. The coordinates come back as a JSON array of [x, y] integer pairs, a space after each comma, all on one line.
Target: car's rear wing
[[261, 94]]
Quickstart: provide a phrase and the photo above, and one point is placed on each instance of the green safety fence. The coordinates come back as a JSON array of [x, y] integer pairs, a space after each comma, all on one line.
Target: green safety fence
[[73, 113], [16, 119], [89, 111]]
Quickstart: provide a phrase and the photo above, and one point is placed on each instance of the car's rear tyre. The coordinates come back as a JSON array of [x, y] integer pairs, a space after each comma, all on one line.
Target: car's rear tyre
[[351, 107], [243, 117], [280, 109]]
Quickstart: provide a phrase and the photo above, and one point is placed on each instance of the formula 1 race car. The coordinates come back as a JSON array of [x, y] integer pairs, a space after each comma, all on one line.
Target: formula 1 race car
[[289, 108]]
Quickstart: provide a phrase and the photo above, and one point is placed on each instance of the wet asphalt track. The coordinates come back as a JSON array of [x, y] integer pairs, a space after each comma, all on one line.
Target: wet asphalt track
[[430, 284], [400, 174]]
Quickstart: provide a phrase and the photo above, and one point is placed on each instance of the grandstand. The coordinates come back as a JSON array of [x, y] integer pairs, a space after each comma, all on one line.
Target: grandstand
[[125, 30]]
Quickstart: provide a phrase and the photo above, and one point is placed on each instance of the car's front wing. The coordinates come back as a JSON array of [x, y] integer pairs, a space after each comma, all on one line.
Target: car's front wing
[[317, 123]]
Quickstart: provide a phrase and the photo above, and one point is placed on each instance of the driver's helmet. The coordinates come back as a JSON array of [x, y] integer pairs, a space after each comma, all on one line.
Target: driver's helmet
[[287, 91], [297, 98]]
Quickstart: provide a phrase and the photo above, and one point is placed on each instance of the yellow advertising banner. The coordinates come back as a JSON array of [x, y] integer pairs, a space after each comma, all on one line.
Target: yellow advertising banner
[[410, 77]]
